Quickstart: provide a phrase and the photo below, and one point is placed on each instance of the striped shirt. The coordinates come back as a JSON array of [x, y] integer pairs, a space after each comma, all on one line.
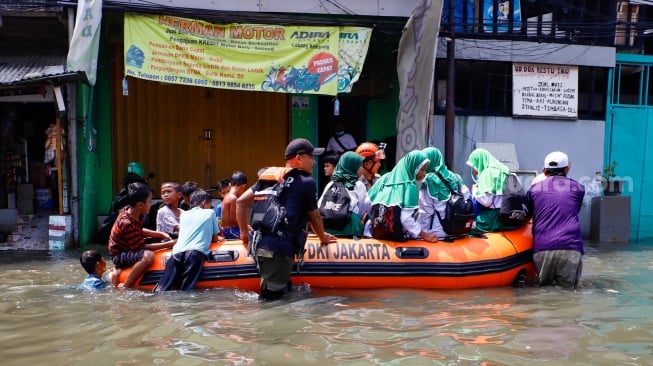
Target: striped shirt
[[126, 234]]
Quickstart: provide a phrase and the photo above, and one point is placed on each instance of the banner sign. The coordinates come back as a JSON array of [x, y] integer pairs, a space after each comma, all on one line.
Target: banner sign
[[415, 69], [545, 90], [502, 20], [85, 42], [354, 42], [289, 59]]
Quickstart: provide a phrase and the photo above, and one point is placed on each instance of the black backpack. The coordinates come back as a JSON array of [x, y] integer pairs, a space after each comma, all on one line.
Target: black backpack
[[268, 214], [514, 209], [386, 223], [334, 207], [458, 214]]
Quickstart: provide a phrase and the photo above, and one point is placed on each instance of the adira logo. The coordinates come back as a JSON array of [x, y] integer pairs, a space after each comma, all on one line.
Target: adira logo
[[308, 35], [344, 35]]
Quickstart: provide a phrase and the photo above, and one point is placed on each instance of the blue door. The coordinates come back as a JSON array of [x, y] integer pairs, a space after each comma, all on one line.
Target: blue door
[[628, 129]]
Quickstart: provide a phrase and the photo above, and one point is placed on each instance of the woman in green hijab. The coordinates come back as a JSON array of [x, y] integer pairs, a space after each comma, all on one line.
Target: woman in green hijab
[[489, 174], [399, 188], [434, 193], [347, 172]]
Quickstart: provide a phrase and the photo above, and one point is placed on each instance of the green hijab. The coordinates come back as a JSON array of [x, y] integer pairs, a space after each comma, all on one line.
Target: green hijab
[[435, 186], [491, 172], [346, 170], [398, 187]]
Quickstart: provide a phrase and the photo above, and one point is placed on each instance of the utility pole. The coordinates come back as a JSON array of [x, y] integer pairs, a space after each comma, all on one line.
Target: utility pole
[[450, 108]]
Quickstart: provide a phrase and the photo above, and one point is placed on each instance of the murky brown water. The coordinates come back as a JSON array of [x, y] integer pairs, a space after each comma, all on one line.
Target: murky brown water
[[43, 321]]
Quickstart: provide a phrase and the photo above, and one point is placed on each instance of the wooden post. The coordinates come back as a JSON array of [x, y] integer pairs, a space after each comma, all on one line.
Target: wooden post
[[450, 108], [57, 162]]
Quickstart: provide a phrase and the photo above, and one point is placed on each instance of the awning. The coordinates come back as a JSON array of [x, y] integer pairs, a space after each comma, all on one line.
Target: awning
[[224, 12], [23, 70]]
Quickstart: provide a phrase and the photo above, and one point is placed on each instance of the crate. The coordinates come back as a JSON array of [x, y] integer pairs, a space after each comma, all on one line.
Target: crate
[[25, 206], [24, 191]]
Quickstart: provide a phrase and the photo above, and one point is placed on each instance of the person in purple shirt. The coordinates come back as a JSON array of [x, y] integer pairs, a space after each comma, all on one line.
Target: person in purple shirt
[[557, 243]]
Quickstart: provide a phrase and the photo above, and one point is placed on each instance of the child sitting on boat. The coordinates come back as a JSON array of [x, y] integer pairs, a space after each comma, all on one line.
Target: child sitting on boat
[[167, 217], [398, 188], [347, 172], [127, 240], [224, 186], [199, 227], [489, 174], [229, 220], [186, 189], [438, 186]]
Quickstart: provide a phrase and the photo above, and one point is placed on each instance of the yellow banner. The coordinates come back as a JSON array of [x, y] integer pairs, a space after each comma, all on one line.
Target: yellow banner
[[352, 50], [290, 59]]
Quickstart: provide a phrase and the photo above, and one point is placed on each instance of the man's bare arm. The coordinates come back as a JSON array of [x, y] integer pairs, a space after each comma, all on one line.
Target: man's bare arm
[[315, 220], [242, 204]]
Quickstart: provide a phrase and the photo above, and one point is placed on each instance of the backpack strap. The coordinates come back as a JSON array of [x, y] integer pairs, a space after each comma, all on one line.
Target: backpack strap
[[433, 216], [275, 173], [446, 183], [344, 149]]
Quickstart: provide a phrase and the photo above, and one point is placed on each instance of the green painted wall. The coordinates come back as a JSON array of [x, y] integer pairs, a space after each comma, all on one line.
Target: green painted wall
[[94, 152], [382, 122], [304, 120], [382, 117], [304, 117]]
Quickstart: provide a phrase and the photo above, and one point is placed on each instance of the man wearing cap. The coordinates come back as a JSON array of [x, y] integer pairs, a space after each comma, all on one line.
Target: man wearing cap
[[557, 242], [274, 252]]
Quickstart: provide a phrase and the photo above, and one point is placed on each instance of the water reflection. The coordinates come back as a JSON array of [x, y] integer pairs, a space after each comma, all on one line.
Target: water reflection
[[44, 321]]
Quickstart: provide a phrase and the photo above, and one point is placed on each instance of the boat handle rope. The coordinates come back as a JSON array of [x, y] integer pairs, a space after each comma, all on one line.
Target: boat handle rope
[[300, 262]]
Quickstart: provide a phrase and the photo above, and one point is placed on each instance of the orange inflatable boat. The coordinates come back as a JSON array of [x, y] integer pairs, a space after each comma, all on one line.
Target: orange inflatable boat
[[500, 259]]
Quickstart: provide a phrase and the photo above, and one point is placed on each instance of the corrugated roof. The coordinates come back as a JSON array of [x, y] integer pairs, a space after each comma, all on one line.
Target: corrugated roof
[[21, 69]]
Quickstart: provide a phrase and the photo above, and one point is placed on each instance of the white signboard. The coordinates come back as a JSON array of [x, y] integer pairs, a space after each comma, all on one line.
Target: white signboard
[[545, 90]]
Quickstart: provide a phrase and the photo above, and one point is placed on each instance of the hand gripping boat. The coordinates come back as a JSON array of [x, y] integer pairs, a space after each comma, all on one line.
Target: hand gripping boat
[[500, 259]]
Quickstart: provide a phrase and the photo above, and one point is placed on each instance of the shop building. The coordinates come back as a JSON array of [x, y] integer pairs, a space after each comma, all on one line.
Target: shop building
[[185, 132]]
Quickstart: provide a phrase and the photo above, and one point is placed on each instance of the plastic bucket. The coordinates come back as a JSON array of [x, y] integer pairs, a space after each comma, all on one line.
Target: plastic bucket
[[44, 197]]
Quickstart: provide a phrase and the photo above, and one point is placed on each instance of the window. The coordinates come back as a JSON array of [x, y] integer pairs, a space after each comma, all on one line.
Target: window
[[482, 87], [629, 83], [592, 84]]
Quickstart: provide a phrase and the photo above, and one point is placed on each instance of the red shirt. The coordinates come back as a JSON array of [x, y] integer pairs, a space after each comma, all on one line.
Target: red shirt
[[126, 234]]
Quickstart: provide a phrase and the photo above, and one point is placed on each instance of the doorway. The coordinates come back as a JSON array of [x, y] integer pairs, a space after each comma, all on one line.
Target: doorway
[[29, 180], [628, 133], [353, 113]]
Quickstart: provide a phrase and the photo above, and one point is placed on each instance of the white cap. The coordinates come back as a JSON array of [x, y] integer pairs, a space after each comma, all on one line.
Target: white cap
[[556, 159]]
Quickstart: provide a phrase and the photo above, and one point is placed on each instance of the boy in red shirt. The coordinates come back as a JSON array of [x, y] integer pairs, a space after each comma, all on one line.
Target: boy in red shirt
[[127, 244]]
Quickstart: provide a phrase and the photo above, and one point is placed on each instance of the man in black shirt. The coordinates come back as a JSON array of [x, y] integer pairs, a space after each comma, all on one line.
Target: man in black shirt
[[275, 251]]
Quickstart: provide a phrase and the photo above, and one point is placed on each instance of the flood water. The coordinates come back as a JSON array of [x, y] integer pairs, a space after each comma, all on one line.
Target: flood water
[[44, 321]]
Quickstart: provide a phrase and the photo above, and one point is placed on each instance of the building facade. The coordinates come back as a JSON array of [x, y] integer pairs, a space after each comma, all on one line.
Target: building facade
[[193, 133]]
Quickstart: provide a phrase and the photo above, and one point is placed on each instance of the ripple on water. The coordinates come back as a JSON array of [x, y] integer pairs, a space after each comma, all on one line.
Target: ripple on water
[[43, 320]]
